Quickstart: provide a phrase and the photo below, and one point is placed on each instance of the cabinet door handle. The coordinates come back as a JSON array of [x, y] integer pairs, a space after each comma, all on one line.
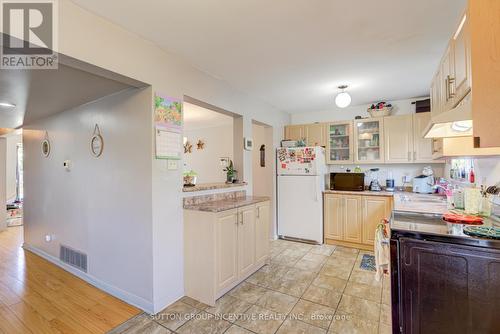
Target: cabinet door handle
[[409, 156], [451, 82], [258, 212], [414, 156]]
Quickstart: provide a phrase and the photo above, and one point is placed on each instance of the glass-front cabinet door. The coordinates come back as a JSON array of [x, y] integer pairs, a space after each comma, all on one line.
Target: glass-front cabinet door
[[339, 148], [369, 136]]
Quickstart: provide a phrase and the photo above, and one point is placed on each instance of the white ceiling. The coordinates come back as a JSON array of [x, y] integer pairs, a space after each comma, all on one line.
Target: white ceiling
[[294, 53], [196, 117]]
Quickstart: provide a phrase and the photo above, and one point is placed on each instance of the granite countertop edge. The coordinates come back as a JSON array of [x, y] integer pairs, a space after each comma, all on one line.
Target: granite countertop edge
[[212, 186], [362, 193], [226, 204]]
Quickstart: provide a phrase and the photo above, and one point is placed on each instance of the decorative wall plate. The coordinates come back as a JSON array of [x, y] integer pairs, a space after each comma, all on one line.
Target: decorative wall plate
[[45, 147], [96, 143]]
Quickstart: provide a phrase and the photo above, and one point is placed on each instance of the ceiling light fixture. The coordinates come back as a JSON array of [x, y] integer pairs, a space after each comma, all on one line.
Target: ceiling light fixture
[[462, 126], [7, 105], [343, 99]]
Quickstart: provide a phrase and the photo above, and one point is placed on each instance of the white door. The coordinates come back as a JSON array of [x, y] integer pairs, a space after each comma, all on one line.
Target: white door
[[300, 207]]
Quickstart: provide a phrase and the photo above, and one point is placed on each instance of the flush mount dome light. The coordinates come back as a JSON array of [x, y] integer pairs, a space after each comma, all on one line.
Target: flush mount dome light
[[4, 104], [343, 99], [461, 126]]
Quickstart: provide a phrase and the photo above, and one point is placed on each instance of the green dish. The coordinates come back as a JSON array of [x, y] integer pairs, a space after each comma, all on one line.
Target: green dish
[[483, 232]]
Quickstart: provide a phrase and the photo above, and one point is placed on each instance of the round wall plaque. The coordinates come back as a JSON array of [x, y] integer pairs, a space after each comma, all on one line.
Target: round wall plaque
[[96, 143]]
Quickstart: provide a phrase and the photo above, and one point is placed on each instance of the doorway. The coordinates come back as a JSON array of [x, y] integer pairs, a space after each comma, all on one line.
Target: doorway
[[14, 193], [263, 163]]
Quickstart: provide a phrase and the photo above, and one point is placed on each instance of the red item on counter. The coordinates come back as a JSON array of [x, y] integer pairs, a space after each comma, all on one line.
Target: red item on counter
[[462, 219]]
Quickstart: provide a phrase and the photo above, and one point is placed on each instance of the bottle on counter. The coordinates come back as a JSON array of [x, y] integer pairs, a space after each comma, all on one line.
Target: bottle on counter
[[472, 177]]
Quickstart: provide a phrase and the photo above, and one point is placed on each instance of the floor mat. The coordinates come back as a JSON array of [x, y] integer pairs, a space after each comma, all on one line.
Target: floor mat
[[368, 262]]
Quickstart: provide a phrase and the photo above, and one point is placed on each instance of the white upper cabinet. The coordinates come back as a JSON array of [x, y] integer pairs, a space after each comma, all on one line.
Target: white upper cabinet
[[398, 139], [461, 60], [369, 137]]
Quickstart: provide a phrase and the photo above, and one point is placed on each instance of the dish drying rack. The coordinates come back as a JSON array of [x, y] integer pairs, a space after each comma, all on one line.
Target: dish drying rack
[[494, 191]]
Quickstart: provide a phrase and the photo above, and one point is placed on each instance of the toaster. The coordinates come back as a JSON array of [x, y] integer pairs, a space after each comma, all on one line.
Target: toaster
[[423, 184]]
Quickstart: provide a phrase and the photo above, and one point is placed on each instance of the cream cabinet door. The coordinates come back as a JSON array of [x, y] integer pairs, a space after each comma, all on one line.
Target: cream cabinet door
[[246, 240], [369, 140], [398, 139], [448, 78], [295, 132], [315, 134], [353, 219], [422, 146], [462, 64], [262, 239], [375, 208], [226, 249], [436, 102], [334, 216]]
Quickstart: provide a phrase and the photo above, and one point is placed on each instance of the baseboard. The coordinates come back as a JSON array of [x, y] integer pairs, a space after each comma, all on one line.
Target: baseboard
[[127, 297]]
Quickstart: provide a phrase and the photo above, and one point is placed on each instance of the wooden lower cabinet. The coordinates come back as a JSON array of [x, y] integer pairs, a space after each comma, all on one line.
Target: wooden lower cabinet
[[226, 236], [262, 231], [375, 208], [350, 220], [246, 241], [223, 249]]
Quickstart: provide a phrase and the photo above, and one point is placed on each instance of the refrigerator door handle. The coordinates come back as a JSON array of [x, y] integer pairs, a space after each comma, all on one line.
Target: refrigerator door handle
[[316, 188]]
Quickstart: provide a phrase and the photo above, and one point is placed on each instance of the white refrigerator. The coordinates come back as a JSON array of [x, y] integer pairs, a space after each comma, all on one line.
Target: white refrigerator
[[301, 181]]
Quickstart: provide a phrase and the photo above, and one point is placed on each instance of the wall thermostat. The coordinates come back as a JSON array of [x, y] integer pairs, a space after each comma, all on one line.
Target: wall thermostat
[[248, 144], [67, 165]]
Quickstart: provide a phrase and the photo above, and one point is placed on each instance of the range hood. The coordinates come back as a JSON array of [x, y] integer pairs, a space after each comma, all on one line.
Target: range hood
[[456, 122]]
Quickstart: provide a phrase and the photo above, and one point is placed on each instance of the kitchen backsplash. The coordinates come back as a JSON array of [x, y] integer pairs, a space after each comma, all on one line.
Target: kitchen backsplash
[[398, 171]]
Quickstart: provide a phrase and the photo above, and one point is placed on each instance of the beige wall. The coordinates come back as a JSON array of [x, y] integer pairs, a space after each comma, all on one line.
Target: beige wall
[[205, 162], [102, 206], [264, 178], [88, 37]]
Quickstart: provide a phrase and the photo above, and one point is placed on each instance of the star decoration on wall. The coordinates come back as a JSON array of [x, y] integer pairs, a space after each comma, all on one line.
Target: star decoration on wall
[[200, 145]]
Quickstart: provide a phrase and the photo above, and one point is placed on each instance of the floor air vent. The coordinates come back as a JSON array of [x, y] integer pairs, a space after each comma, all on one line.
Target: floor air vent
[[74, 258]]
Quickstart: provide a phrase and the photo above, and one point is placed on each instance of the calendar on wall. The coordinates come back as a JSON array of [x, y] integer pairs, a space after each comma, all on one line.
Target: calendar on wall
[[168, 127]]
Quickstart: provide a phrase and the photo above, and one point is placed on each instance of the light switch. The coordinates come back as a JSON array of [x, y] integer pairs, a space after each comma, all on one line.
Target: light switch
[[172, 165]]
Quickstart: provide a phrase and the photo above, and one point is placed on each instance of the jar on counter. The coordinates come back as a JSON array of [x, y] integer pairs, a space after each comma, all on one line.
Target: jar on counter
[[458, 199], [472, 198]]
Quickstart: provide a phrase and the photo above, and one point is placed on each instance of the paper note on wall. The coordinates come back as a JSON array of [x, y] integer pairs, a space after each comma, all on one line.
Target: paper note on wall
[[168, 127]]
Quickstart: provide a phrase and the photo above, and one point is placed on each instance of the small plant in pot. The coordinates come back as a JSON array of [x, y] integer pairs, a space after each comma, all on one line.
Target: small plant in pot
[[230, 172], [189, 178]]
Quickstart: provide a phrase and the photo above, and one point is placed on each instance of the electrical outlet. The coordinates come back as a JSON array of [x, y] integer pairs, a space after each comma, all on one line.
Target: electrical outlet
[[172, 165]]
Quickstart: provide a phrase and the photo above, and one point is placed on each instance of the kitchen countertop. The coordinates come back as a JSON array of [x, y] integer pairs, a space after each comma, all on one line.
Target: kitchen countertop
[[226, 204], [363, 193], [212, 186], [420, 216]]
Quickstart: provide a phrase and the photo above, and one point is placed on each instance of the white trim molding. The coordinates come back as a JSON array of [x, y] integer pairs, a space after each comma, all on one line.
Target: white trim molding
[[139, 302]]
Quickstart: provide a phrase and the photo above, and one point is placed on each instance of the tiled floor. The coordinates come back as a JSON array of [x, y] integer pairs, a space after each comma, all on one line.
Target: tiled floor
[[305, 289]]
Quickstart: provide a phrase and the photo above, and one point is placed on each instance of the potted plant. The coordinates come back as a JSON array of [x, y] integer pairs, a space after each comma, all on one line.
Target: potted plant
[[230, 172], [189, 178]]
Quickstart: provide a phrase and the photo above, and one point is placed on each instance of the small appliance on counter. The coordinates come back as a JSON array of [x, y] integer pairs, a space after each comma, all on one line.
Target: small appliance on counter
[[422, 184], [389, 182], [347, 181], [374, 183]]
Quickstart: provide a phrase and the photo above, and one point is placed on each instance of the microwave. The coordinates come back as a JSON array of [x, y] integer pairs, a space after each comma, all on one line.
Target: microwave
[[347, 181]]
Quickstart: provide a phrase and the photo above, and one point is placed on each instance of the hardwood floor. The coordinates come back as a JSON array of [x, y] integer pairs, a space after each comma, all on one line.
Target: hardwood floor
[[38, 297]]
